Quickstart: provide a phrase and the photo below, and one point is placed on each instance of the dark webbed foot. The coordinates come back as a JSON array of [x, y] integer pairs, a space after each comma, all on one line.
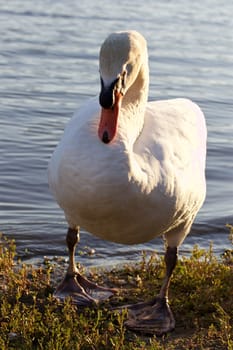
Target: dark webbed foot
[[155, 317], [82, 291], [152, 318], [74, 285]]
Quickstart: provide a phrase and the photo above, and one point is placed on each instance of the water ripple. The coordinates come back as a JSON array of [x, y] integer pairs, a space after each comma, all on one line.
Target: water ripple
[[49, 67]]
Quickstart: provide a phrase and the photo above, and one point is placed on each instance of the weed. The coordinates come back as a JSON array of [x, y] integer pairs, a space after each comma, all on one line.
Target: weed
[[201, 299]]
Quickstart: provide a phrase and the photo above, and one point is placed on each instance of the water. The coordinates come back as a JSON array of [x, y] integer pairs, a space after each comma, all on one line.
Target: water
[[49, 67]]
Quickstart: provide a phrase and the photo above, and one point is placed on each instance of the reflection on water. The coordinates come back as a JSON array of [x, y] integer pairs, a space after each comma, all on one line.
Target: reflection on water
[[49, 66]]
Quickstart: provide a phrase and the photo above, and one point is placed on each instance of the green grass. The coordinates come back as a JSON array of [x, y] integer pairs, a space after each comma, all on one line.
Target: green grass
[[201, 297]]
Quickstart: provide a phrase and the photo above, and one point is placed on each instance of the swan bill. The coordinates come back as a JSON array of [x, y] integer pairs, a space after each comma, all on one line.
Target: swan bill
[[109, 120]]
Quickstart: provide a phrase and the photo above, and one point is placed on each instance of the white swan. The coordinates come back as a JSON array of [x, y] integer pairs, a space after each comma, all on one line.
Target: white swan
[[128, 170]]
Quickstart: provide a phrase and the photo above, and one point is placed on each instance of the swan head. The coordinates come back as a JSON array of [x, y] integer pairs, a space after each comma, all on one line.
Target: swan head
[[120, 59]]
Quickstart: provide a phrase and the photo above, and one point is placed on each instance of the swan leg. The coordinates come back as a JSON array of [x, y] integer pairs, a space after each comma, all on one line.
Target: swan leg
[[81, 290], [155, 317]]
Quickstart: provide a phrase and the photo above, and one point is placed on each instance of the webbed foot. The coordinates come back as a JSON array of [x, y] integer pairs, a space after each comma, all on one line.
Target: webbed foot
[[82, 291], [152, 318]]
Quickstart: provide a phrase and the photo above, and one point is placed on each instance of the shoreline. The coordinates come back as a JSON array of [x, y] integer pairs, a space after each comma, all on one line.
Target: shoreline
[[200, 296]]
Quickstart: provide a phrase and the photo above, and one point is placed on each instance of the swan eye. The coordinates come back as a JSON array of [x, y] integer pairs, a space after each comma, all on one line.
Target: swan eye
[[121, 82], [123, 79]]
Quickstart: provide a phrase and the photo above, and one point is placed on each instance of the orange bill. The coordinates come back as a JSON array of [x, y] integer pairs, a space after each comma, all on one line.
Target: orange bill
[[108, 120]]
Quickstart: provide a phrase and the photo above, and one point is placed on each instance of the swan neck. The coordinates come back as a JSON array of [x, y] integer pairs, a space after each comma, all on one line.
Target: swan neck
[[134, 104]]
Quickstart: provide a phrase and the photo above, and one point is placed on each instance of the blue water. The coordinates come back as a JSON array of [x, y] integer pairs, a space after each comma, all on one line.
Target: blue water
[[49, 67]]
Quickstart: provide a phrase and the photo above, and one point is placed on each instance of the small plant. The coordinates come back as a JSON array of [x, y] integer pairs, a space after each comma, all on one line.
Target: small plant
[[201, 297]]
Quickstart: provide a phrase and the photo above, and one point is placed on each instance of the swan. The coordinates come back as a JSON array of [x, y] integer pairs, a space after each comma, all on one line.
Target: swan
[[128, 170]]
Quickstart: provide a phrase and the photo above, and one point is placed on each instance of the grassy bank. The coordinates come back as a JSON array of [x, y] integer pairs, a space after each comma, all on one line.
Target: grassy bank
[[201, 297]]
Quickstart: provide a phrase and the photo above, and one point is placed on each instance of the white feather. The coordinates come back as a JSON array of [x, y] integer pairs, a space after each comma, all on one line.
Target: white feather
[[149, 181]]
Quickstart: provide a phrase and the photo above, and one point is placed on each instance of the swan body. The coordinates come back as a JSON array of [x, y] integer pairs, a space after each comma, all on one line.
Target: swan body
[[130, 193], [128, 170]]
